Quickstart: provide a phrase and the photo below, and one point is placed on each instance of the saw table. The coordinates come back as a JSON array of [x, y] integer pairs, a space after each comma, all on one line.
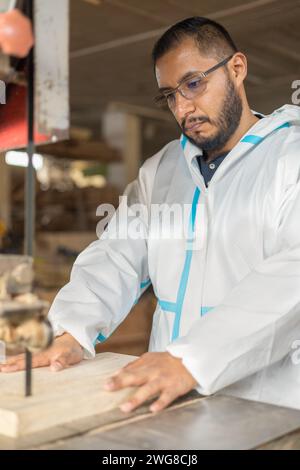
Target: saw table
[[69, 410]]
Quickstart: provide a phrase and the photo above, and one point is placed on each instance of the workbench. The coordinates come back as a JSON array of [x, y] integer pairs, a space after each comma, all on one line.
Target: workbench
[[194, 422], [191, 422]]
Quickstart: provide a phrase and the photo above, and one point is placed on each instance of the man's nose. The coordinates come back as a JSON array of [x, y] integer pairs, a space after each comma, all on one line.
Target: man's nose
[[183, 106]]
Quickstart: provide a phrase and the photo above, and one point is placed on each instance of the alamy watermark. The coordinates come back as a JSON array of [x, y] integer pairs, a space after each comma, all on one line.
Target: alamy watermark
[[295, 356], [157, 222], [296, 94]]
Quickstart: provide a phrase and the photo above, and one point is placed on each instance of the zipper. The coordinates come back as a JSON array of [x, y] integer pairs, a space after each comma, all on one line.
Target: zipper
[[204, 194], [206, 249]]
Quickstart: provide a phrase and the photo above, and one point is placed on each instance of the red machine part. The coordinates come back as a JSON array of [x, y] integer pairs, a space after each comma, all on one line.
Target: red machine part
[[16, 36]]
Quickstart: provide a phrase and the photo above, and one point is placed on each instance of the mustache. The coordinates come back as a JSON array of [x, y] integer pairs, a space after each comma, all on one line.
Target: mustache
[[188, 122]]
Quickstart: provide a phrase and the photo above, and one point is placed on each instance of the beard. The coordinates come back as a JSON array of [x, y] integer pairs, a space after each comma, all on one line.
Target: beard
[[226, 123]]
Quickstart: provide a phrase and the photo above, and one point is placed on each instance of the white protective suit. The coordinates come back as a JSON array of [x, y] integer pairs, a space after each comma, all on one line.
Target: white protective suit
[[230, 308]]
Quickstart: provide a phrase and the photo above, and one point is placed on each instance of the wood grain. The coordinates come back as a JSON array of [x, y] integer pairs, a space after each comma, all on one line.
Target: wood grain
[[59, 397]]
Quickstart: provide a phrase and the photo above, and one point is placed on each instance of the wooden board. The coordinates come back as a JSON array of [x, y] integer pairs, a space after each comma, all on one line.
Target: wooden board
[[59, 397]]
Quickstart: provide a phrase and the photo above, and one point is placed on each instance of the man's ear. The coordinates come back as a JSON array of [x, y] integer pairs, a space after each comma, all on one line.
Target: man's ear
[[238, 68]]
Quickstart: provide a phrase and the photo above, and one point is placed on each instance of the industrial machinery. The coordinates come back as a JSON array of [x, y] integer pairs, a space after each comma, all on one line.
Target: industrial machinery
[[23, 322], [34, 99]]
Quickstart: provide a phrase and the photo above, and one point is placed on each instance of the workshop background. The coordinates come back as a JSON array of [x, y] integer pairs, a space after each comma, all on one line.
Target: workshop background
[[115, 126]]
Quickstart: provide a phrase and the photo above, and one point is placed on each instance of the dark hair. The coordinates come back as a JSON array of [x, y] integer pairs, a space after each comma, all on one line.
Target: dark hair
[[211, 37]]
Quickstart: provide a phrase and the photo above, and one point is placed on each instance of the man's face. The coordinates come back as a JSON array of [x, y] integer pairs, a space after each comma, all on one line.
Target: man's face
[[211, 118]]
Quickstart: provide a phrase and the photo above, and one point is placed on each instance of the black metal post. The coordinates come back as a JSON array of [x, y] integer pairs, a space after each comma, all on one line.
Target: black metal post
[[29, 228], [30, 174], [28, 367]]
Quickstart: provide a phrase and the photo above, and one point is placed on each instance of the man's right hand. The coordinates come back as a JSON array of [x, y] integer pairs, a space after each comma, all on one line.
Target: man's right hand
[[65, 351]]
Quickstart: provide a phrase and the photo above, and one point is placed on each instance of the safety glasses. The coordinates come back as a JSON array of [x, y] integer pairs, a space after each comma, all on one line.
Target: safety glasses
[[189, 88]]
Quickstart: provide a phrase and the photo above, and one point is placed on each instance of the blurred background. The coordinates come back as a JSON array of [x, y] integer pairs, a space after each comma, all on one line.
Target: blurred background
[[113, 125]]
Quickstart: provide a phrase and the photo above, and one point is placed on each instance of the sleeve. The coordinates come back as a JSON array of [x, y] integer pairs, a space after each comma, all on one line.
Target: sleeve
[[108, 276], [258, 320]]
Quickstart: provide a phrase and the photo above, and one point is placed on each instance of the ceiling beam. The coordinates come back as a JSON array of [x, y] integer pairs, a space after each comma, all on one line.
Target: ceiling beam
[[133, 39]]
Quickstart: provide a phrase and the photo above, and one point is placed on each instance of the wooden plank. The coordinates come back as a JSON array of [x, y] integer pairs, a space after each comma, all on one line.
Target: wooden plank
[[59, 398], [103, 421]]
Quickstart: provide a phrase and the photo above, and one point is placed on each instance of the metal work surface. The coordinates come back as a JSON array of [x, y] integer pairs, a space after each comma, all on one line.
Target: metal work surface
[[216, 422], [212, 423]]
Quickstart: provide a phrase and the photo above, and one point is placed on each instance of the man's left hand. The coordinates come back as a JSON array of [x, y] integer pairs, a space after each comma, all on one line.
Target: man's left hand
[[156, 374]]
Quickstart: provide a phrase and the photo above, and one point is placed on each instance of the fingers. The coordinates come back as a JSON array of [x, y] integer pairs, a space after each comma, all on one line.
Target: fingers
[[59, 362], [156, 374], [64, 352], [56, 366], [143, 394], [12, 368], [10, 360], [124, 379], [165, 399], [13, 364], [16, 363], [137, 362]]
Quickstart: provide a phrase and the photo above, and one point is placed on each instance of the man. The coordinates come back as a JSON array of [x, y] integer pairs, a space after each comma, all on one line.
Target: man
[[228, 311]]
